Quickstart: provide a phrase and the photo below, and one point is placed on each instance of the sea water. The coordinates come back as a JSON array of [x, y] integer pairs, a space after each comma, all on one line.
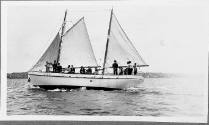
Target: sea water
[[176, 96]]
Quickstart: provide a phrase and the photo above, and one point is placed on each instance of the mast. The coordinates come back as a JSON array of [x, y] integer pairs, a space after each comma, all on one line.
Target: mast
[[105, 57], [62, 33]]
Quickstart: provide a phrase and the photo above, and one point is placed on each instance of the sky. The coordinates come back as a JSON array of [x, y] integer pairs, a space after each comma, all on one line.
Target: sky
[[171, 36]]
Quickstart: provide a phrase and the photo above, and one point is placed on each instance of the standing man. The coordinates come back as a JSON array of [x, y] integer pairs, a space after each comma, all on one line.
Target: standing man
[[47, 66], [129, 68], [54, 66], [135, 69], [115, 67]]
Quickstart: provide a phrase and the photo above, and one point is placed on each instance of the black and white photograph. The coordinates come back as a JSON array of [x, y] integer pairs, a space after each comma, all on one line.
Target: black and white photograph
[[136, 60]]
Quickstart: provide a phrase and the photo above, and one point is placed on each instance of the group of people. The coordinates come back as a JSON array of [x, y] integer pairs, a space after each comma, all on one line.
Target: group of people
[[70, 70], [88, 70], [129, 70], [57, 68]]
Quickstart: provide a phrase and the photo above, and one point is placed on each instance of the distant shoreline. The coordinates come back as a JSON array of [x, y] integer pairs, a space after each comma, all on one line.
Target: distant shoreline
[[17, 75], [24, 75]]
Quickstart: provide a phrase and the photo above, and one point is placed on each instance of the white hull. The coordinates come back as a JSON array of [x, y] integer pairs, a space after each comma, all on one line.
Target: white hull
[[59, 80]]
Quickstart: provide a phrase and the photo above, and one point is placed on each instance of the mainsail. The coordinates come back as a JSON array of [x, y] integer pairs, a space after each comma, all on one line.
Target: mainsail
[[76, 48], [73, 48], [119, 47], [49, 55]]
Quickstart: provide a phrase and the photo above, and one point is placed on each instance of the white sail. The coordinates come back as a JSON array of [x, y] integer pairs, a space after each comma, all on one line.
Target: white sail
[[120, 47], [49, 55], [76, 48]]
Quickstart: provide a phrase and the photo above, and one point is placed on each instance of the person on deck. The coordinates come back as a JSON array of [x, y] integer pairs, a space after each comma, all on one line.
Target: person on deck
[[54, 65], [129, 68], [68, 69], [126, 71], [121, 71], [47, 66], [135, 69], [72, 69], [89, 70], [115, 67], [96, 71], [82, 70], [59, 68]]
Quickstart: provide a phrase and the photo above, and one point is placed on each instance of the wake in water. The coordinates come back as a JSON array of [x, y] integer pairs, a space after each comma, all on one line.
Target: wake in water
[[141, 90], [31, 87], [58, 90]]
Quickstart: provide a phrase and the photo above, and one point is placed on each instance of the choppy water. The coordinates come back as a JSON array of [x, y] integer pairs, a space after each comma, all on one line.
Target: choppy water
[[154, 97]]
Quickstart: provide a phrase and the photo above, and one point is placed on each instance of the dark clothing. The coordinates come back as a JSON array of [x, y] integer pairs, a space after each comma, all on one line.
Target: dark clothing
[[54, 67], [115, 68], [72, 70], [89, 71], [126, 71], [135, 70], [47, 67], [130, 71], [59, 69], [121, 71], [115, 65], [115, 71], [82, 70]]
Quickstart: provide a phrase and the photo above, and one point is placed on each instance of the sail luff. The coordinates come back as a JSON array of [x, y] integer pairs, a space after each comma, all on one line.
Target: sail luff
[[130, 42], [105, 56], [62, 32]]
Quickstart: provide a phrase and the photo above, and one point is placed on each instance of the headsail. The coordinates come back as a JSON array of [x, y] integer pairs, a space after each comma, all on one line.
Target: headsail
[[76, 48], [119, 46], [49, 55]]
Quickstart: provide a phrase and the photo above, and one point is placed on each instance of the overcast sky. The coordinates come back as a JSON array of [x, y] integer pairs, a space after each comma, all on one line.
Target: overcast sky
[[171, 36]]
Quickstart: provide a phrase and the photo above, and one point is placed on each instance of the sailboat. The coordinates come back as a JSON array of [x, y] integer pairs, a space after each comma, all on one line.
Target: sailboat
[[73, 47]]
